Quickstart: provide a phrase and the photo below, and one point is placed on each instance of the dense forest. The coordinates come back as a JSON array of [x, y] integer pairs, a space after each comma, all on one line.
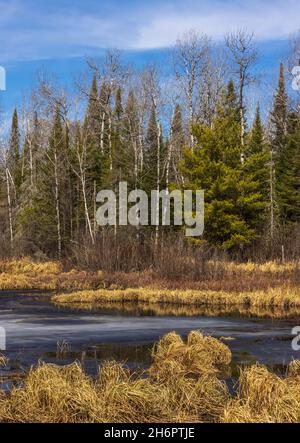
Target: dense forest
[[192, 128]]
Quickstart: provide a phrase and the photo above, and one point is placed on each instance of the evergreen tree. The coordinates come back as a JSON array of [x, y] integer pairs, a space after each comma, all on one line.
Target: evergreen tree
[[258, 160], [155, 154], [50, 177], [232, 199], [129, 152], [176, 146], [288, 174], [120, 169], [118, 105], [14, 155], [35, 147], [30, 189], [279, 115], [48, 215], [92, 135]]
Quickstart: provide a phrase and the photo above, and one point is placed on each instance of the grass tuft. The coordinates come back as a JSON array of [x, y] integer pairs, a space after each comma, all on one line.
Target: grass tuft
[[200, 355], [264, 397], [66, 394], [3, 361], [182, 385]]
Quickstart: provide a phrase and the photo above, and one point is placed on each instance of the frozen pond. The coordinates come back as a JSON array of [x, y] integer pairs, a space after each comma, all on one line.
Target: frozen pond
[[34, 326]]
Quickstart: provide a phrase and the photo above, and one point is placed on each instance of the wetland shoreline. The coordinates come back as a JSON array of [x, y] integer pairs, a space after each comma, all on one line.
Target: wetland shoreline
[[226, 286]]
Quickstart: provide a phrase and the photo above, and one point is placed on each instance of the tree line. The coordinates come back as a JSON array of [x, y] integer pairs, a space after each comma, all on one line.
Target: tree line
[[187, 129]]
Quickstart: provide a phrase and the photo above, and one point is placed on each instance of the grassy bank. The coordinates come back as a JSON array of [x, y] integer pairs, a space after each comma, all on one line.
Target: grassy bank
[[45, 276], [183, 384], [223, 286], [213, 275], [282, 298]]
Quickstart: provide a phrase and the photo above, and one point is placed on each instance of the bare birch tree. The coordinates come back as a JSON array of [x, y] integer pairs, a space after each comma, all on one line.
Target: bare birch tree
[[190, 59], [243, 52], [9, 194]]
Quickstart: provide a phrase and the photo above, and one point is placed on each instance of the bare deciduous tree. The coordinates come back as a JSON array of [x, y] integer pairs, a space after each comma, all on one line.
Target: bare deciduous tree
[[244, 54], [191, 56], [153, 95]]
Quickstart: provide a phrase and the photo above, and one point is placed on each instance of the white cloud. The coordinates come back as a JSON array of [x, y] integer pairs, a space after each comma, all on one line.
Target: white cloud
[[33, 33], [269, 20]]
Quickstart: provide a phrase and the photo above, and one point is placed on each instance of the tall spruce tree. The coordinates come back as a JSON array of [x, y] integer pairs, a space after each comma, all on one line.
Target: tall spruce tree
[[129, 160], [14, 154], [232, 199], [279, 114], [120, 166], [155, 154], [92, 136], [26, 217], [257, 163], [176, 147], [48, 215], [288, 174]]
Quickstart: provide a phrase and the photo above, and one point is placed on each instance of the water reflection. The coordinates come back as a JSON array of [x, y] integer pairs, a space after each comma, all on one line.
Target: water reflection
[[169, 310]]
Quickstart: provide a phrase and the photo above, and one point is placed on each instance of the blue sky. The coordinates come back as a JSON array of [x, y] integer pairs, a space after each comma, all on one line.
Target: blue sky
[[60, 34]]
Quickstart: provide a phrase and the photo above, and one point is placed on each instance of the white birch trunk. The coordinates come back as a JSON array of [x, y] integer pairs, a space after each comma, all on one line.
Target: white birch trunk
[[102, 132], [9, 208], [57, 204]]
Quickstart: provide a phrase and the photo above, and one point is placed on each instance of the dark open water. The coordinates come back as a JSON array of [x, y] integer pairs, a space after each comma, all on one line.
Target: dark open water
[[34, 326]]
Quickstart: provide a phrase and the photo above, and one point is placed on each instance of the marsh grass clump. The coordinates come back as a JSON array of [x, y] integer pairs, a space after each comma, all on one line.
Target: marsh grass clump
[[52, 394], [260, 386], [27, 265], [294, 369], [188, 373], [264, 397], [220, 353], [192, 399], [199, 355], [183, 384], [126, 397], [66, 394]]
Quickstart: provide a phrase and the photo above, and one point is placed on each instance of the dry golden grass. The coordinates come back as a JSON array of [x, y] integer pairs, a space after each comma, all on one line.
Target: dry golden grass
[[45, 282], [200, 355], [3, 361], [126, 397], [52, 394], [217, 276], [182, 385], [273, 298], [264, 397], [25, 274], [266, 290], [270, 267], [66, 394], [26, 265], [294, 369]]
